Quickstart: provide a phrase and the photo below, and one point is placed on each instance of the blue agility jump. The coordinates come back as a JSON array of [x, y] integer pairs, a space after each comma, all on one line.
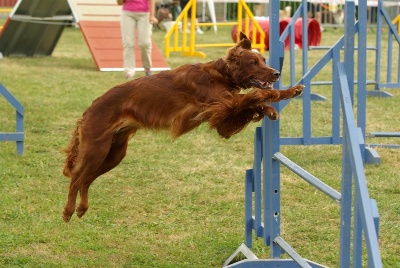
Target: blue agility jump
[[18, 135], [359, 213], [332, 56]]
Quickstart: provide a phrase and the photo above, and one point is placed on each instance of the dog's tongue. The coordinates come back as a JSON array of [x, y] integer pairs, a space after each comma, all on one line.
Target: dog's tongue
[[262, 83]]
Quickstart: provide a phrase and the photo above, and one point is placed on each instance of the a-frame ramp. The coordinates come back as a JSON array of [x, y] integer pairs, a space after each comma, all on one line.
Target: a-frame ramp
[[34, 27], [99, 21]]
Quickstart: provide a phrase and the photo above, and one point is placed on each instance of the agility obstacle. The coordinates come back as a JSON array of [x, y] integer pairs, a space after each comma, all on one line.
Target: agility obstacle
[[18, 135], [358, 213], [391, 69], [332, 56], [34, 28], [383, 17], [244, 17]]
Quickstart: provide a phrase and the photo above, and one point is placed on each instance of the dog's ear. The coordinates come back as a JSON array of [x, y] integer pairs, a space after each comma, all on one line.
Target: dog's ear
[[242, 36], [244, 41]]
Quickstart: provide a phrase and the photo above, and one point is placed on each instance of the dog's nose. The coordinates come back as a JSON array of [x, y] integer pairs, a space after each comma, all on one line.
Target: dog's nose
[[277, 74]]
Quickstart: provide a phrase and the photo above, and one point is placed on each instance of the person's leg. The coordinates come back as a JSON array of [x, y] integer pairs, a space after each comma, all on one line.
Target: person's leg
[[144, 30], [128, 27], [309, 10], [318, 15]]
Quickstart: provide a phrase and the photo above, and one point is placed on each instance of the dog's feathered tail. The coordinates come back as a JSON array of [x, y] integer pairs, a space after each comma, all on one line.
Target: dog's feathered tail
[[72, 150]]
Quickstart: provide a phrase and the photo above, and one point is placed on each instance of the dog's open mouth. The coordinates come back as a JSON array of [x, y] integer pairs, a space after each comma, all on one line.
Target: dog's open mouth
[[260, 84]]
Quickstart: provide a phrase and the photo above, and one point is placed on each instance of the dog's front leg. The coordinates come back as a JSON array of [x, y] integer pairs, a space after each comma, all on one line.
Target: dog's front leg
[[265, 110], [275, 95]]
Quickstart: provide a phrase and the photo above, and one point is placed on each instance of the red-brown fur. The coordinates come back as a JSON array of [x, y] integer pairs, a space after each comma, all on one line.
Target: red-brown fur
[[178, 100]]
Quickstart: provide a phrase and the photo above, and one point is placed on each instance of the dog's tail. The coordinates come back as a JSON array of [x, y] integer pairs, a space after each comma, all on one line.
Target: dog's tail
[[72, 150]]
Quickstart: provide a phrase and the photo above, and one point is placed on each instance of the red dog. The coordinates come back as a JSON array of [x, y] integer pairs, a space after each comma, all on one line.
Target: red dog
[[178, 100]]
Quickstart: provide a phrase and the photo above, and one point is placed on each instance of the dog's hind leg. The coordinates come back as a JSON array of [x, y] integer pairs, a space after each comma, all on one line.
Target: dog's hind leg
[[115, 155], [90, 159]]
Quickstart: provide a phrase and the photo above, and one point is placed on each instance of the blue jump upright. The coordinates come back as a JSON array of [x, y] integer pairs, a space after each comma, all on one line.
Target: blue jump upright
[[18, 135], [392, 32], [391, 69], [359, 213]]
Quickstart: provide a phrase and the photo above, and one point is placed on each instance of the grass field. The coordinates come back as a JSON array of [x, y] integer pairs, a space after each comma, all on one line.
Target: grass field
[[168, 204]]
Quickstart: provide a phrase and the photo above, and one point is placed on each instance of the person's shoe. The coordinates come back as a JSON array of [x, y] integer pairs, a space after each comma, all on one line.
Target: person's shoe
[[129, 75], [199, 31], [148, 71]]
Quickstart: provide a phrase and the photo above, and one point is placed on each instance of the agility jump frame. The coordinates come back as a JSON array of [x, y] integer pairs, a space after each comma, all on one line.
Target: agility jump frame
[[18, 135], [267, 159], [332, 55], [190, 49], [383, 17]]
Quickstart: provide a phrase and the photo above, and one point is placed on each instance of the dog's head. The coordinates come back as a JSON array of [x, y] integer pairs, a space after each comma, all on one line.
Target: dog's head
[[248, 68]]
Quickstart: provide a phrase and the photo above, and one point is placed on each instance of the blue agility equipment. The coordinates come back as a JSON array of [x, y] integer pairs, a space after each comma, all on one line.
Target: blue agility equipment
[[383, 17], [332, 56], [18, 135], [359, 214]]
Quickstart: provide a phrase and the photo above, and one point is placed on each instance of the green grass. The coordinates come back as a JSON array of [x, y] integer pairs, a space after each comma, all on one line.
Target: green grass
[[168, 204]]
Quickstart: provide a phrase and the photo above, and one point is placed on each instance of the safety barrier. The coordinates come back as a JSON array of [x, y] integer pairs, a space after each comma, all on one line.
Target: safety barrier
[[18, 135], [264, 178], [190, 49]]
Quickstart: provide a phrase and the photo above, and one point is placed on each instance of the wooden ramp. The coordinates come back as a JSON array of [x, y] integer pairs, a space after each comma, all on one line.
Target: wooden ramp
[[99, 21]]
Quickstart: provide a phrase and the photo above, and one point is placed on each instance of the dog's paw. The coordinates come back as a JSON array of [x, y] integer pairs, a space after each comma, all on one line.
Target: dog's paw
[[81, 210], [298, 90], [66, 217], [273, 115]]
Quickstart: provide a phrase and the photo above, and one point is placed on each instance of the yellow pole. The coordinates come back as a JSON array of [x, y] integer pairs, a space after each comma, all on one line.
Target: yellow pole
[[247, 25], [184, 31], [193, 26], [397, 19], [176, 37], [239, 18], [189, 50], [167, 51]]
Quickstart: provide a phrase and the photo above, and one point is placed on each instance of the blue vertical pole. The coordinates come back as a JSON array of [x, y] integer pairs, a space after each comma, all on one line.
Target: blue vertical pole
[[362, 70], [346, 191], [398, 67], [349, 45], [248, 219], [267, 174], [389, 57], [257, 181], [335, 98], [271, 145], [304, 37], [292, 55], [20, 128], [378, 45], [345, 204], [357, 244], [362, 64], [307, 89]]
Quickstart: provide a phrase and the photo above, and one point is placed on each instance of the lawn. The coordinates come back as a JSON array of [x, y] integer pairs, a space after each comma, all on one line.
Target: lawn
[[169, 203]]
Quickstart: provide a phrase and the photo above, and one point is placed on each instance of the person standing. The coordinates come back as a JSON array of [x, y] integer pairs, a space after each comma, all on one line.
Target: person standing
[[183, 3], [137, 15]]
